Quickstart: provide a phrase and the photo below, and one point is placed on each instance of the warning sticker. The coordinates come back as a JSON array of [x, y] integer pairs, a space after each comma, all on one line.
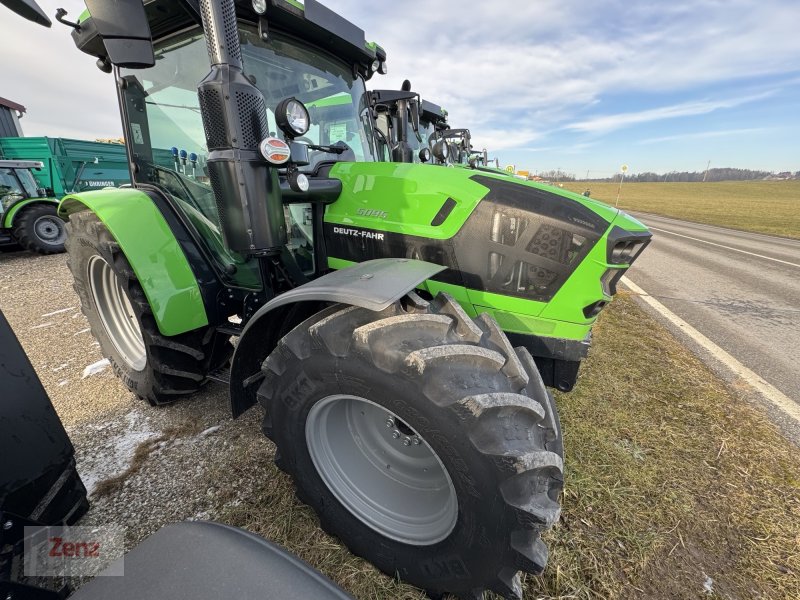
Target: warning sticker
[[337, 132], [136, 129]]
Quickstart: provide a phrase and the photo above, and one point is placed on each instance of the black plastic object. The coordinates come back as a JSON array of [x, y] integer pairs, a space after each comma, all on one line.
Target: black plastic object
[[28, 9], [201, 560], [38, 480], [123, 27]]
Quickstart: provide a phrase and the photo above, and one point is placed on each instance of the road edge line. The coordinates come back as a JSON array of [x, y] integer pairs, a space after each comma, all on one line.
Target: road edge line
[[688, 237], [772, 394]]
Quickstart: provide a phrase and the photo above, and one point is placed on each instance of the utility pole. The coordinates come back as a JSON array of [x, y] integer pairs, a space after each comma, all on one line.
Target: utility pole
[[706, 173]]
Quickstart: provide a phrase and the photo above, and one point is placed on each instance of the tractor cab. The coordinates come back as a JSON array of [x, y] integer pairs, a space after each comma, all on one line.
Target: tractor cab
[[18, 183], [458, 142], [405, 127], [303, 87]]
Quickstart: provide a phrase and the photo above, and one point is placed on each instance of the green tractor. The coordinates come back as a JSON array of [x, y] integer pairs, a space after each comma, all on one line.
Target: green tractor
[[405, 127], [398, 322], [411, 129], [27, 215]]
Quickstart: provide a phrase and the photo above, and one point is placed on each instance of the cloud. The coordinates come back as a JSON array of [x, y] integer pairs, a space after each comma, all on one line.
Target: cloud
[[704, 135], [608, 123], [513, 72], [543, 66]]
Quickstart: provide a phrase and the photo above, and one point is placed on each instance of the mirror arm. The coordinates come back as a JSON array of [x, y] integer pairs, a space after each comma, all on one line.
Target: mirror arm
[[60, 14]]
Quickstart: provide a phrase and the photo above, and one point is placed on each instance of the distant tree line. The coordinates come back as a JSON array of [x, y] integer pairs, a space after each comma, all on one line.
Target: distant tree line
[[717, 174], [557, 175]]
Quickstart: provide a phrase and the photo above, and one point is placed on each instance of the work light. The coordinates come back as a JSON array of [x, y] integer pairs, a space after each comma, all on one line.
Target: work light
[[292, 117]]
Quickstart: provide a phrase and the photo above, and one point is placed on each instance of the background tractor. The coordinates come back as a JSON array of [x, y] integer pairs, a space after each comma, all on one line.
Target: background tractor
[[386, 324], [27, 215]]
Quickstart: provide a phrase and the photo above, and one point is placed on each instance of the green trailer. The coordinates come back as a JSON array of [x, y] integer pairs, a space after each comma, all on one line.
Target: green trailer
[[36, 172], [70, 165]]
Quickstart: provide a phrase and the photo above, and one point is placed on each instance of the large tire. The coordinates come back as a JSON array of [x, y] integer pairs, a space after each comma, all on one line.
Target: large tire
[[156, 368], [38, 228], [349, 382]]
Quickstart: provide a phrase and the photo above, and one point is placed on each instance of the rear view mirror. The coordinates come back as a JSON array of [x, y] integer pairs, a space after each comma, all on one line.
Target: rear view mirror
[[125, 32], [29, 10], [116, 32]]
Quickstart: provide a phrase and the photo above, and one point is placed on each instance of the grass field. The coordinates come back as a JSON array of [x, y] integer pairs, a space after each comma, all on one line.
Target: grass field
[[673, 486], [771, 207]]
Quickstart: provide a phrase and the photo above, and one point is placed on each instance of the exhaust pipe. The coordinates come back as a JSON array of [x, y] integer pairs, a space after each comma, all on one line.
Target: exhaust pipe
[[234, 115]]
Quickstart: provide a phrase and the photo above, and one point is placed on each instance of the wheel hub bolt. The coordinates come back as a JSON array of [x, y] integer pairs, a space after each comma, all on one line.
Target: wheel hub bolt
[[416, 441], [390, 422], [407, 441], [396, 434]]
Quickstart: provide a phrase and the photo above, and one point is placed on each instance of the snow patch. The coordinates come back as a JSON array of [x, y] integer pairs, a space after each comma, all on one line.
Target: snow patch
[[58, 312], [63, 382], [95, 368], [209, 431], [708, 585], [114, 452]]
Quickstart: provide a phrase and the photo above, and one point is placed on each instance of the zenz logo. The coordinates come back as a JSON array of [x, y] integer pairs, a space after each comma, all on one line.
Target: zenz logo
[[58, 547]]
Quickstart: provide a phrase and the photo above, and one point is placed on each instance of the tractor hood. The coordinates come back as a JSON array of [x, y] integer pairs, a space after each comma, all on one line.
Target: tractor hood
[[504, 239]]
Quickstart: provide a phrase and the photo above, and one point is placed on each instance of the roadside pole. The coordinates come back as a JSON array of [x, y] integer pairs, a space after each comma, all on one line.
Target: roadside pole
[[621, 179]]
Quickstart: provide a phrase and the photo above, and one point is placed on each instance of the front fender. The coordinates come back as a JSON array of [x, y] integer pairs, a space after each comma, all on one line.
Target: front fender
[[8, 218], [374, 285], [153, 251]]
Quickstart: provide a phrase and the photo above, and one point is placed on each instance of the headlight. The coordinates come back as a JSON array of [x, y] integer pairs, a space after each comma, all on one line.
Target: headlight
[[292, 117]]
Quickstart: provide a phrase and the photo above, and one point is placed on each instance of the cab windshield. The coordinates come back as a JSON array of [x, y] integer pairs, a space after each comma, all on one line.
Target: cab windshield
[[165, 128]]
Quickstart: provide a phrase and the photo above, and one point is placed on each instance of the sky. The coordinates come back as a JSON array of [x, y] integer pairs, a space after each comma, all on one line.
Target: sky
[[579, 86]]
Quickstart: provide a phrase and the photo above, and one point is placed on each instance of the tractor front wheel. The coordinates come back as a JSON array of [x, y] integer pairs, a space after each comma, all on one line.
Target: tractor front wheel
[[422, 440], [39, 229], [157, 368]]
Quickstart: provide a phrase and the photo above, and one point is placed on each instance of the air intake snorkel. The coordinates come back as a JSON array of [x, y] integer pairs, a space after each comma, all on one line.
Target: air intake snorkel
[[234, 115]]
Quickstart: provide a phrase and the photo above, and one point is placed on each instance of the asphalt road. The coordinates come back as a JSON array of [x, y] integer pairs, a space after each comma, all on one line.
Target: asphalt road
[[739, 289]]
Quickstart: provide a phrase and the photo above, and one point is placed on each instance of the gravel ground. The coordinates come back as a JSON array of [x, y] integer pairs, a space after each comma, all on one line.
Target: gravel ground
[[176, 474]]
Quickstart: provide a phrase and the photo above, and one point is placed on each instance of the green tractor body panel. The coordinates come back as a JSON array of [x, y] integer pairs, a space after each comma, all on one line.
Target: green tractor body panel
[[479, 224], [8, 218], [155, 255]]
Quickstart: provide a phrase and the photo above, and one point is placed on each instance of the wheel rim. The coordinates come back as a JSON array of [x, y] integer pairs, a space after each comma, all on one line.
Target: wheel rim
[[50, 230], [382, 471], [116, 313]]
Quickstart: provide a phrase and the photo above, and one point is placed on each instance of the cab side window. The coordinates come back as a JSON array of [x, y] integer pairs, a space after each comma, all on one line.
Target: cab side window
[[10, 188]]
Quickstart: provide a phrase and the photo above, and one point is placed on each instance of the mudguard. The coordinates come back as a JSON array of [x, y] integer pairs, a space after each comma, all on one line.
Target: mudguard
[[8, 218], [155, 255], [373, 285]]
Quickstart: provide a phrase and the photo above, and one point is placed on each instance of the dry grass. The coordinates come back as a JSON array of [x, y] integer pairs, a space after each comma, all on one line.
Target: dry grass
[[771, 207], [670, 480]]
